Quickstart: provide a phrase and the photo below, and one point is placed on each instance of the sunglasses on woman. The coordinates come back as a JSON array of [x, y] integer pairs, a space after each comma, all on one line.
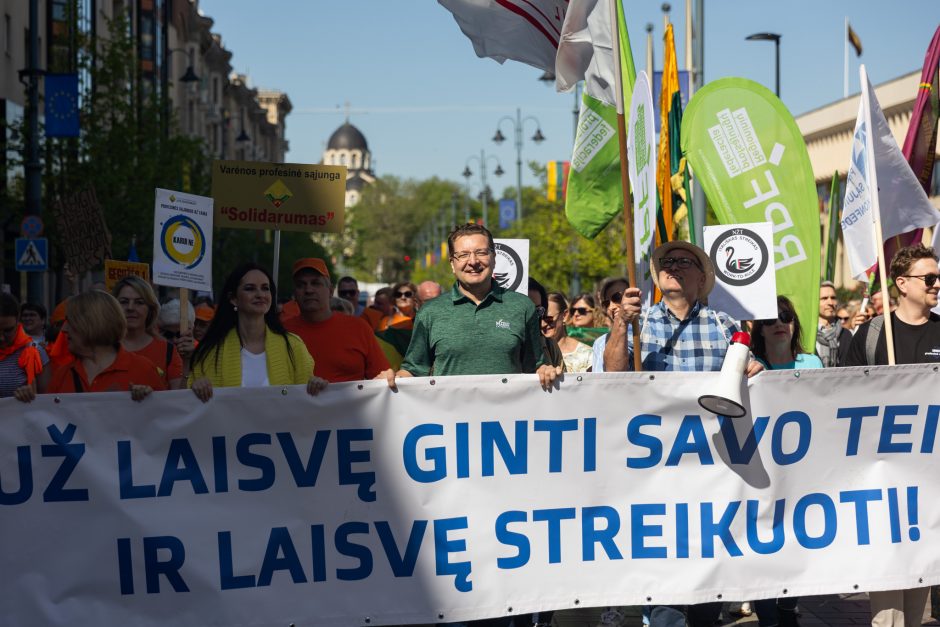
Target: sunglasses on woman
[[785, 317], [405, 294], [582, 311]]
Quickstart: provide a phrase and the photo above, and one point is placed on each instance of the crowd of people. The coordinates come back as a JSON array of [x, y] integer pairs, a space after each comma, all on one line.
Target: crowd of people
[[127, 341]]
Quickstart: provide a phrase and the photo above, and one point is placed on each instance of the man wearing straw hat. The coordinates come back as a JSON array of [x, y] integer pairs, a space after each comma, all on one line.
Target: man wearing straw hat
[[681, 332]]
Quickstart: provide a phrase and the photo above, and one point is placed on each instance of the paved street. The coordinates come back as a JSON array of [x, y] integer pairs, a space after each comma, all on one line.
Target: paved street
[[819, 611]]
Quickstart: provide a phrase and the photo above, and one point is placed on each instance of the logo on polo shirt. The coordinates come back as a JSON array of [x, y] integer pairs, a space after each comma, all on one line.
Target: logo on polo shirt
[[502, 324]]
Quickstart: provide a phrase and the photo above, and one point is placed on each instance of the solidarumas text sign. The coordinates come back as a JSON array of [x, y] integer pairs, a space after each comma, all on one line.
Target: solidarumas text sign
[[465, 498]]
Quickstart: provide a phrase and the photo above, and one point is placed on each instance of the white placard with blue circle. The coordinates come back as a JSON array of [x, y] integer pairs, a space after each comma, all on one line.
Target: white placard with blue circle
[[182, 240]]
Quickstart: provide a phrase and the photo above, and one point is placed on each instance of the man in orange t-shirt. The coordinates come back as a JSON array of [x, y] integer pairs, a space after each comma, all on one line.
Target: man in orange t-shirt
[[343, 347]]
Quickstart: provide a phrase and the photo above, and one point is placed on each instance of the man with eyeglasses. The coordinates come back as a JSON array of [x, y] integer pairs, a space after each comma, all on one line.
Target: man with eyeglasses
[[680, 332], [832, 339], [347, 288], [343, 347], [915, 273], [916, 329], [478, 327]]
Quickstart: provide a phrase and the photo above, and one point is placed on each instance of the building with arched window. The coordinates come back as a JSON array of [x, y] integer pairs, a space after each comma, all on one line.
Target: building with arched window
[[348, 147]]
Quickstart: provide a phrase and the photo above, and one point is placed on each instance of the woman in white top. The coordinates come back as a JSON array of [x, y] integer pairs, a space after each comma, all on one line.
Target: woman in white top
[[246, 345]]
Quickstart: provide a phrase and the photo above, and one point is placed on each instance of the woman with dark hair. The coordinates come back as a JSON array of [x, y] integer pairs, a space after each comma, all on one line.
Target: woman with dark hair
[[407, 304], [246, 345], [141, 311], [22, 362], [577, 355], [581, 314], [778, 343]]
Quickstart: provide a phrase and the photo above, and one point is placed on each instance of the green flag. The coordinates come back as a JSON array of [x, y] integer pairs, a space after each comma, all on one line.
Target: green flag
[[750, 158], [585, 52]]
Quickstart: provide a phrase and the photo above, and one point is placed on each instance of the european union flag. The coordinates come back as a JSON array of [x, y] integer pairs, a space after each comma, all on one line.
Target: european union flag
[[62, 105]]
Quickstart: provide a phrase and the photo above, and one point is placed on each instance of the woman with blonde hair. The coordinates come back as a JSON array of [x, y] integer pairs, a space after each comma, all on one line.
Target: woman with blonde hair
[[142, 311], [96, 361]]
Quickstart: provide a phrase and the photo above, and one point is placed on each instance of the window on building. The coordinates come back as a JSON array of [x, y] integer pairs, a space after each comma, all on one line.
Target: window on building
[[7, 29], [215, 90]]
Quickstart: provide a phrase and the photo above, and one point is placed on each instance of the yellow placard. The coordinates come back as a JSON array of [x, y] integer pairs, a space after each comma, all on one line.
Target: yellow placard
[[286, 196], [115, 270]]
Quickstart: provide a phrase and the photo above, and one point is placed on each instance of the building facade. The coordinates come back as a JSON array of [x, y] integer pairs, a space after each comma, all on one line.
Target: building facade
[[178, 59], [828, 131]]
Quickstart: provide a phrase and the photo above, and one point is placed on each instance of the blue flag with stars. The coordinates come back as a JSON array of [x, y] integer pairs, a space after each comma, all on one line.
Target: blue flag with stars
[[62, 105]]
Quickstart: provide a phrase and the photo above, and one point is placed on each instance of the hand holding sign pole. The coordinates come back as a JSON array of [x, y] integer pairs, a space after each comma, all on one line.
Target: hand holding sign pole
[[615, 8]]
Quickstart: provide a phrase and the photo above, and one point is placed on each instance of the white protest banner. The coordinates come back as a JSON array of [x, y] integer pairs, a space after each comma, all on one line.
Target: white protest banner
[[459, 498], [512, 265], [182, 240], [745, 280], [640, 143]]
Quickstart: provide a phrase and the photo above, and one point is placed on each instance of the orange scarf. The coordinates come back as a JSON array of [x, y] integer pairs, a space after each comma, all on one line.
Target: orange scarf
[[59, 352], [30, 360]]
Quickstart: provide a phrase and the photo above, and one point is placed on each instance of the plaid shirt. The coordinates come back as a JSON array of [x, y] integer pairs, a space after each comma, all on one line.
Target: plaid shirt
[[696, 344]]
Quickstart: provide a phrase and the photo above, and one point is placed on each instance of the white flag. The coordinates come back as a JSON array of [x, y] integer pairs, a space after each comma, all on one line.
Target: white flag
[[642, 163], [880, 186], [522, 30], [585, 51]]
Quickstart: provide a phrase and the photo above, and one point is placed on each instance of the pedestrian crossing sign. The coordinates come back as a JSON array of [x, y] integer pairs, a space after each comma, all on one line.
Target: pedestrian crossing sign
[[32, 255]]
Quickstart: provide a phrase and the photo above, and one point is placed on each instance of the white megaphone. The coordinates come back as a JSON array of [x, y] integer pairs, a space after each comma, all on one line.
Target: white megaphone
[[726, 400]]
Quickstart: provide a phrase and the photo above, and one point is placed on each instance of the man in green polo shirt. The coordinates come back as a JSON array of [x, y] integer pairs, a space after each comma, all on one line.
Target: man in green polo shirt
[[477, 327]]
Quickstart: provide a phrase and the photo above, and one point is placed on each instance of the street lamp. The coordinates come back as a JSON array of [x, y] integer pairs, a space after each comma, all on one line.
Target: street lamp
[[189, 76], [467, 173], [517, 127], [776, 39]]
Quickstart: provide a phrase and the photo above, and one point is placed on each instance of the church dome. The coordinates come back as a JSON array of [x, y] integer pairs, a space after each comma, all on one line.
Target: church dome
[[347, 137]]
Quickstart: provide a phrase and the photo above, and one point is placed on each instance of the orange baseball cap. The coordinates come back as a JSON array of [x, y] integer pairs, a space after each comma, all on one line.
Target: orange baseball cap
[[311, 263], [205, 312]]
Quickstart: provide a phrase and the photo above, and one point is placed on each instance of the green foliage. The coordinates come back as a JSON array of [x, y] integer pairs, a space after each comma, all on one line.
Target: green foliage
[[128, 146], [398, 218]]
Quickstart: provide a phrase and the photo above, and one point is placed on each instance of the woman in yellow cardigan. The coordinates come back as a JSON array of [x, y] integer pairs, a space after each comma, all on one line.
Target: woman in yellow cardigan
[[246, 345]]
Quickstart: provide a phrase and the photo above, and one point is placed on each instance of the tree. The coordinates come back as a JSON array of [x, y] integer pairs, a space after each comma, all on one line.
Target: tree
[[127, 146]]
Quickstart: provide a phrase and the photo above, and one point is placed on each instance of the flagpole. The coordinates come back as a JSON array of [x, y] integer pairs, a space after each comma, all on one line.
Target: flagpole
[[625, 178], [845, 70], [876, 212]]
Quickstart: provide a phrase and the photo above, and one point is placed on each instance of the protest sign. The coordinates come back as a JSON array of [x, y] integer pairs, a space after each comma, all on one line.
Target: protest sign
[[460, 498], [85, 241], [182, 240], [115, 270], [748, 153], [512, 264], [279, 196], [745, 282]]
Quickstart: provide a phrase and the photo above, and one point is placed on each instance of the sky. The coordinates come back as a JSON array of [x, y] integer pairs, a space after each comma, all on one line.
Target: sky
[[428, 105]]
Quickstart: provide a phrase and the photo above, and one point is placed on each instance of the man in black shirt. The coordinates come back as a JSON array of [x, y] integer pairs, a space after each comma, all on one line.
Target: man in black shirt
[[916, 330], [916, 341]]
